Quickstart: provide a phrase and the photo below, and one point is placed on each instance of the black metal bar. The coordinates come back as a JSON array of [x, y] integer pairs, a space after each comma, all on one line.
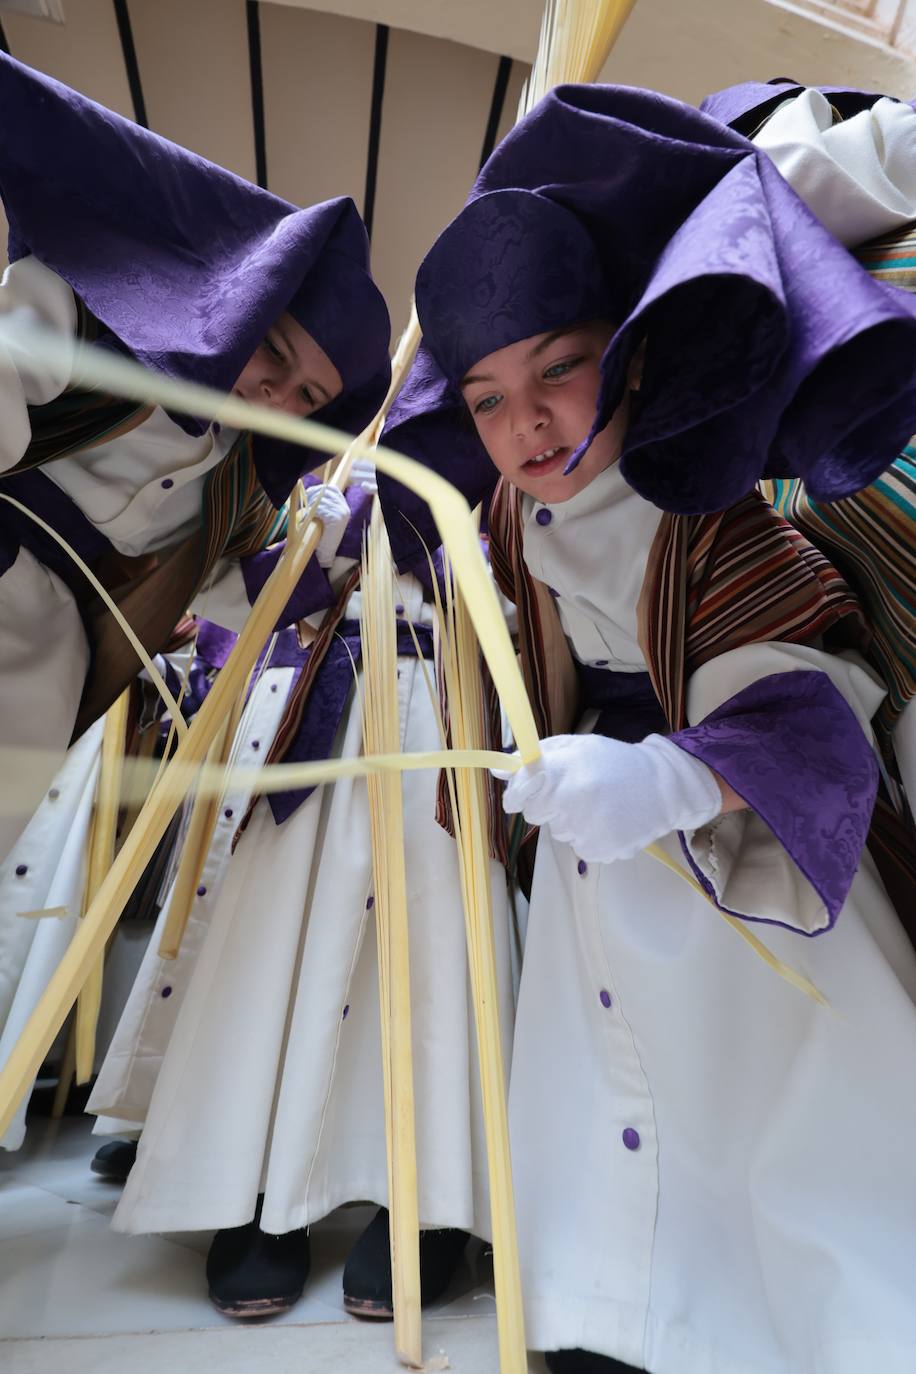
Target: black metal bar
[[126, 35], [4, 45], [500, 86], [253, 13], [375, 122]]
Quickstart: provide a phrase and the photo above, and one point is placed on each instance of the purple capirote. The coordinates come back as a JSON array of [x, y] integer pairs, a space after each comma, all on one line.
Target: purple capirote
[[185, 264], [769, 350]]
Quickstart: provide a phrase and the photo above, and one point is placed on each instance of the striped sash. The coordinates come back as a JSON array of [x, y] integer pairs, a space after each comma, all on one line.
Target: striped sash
[[713, 583], [872, 537]]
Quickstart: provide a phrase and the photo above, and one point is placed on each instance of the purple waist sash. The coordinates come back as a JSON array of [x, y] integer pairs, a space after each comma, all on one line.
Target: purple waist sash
[[49, 501], [327, 700], [629, 709]]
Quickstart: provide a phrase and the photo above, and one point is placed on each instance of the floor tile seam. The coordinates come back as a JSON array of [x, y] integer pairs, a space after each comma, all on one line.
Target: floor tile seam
[[211, 1330]]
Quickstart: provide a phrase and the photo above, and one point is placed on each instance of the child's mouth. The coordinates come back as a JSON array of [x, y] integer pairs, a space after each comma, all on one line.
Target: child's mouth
[[547, 461]]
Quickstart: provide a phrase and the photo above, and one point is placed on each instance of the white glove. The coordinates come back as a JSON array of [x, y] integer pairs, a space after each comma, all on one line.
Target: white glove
[[362, 474], [330, 506], [608, 799]]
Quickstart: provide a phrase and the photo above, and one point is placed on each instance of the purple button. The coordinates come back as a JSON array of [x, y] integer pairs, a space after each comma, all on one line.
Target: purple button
[[631, 1138], [228, 813], [21, 870], [255, 744], [604, 997], [554, 593], [582, 868], [399, 609], [273, 686], [370, 903], [167, 482], [600, 663], [543, 517], [166, 991], [346, 1012], [54, 793], [201, 891]]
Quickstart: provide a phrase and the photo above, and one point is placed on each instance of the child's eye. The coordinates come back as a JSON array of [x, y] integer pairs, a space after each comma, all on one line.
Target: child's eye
[[486, 404], [560, 369], [273, 350], [307, 397]]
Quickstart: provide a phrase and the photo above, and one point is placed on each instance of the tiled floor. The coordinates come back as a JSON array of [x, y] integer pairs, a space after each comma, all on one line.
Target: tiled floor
[[75, 1296]]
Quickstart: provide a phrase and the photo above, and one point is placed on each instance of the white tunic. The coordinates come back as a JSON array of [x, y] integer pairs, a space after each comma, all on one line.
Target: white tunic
[[272, 1079], [714, 1175], [124, 1087], [45, 871]]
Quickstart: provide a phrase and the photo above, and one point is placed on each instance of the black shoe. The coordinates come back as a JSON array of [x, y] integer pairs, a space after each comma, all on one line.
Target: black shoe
[[584, 1362], [367, 1272], [115, 1160], [254, 1274]]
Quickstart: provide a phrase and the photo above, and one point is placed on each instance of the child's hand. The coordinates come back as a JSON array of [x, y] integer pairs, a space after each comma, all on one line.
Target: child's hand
[[362, 474], [330, 507], [609, 800]]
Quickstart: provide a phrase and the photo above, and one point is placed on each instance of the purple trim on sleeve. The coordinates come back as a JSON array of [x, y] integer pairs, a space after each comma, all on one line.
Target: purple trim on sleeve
[[792, 748], [313, 591]]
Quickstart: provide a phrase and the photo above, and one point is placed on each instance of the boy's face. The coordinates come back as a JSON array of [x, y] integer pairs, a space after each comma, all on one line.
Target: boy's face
[[289, 371], [533, 403]]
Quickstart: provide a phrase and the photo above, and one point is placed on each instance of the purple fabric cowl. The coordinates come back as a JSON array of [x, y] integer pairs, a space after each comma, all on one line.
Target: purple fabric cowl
[[770, 351], [184, 263]]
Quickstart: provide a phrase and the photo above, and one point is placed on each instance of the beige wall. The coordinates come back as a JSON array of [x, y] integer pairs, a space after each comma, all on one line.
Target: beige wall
[[689, 50], [432, 134], [85, 52], [684, 49], [193, 60], [316, 103]]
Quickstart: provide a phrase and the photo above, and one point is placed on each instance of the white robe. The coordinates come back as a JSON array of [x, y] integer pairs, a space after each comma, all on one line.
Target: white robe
[[765, 1222], [45, 870], [127, 1077], [272, 1079]]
